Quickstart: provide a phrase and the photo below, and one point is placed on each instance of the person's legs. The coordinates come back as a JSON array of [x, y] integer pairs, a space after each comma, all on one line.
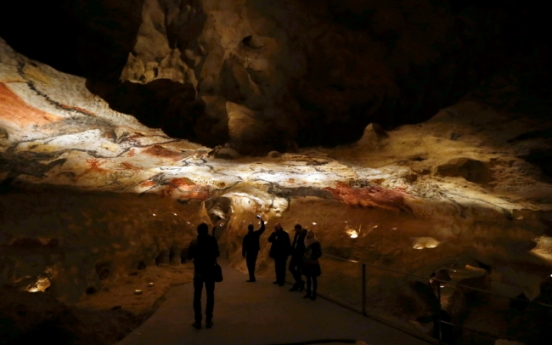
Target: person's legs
[[300, 281], [295, 269], [251, 260], [314, 287], [281, 270], [210, 291], [198, 287], [276, 270], [309, 282]]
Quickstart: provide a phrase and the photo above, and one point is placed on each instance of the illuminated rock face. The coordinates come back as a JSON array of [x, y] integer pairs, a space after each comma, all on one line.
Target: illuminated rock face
[[394, 190], [459, 189]]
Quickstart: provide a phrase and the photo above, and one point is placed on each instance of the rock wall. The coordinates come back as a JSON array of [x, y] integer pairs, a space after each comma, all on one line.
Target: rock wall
[[469, 188], [73, 243]]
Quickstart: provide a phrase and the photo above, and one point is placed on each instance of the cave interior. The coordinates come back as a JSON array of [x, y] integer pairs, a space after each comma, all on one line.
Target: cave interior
[[411, 135]]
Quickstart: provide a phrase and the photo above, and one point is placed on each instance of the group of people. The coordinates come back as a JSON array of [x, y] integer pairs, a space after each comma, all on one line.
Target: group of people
[[305, 250]]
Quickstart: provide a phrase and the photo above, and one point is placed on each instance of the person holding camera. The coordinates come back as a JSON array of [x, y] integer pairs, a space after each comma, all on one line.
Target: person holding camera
[[251, 247]]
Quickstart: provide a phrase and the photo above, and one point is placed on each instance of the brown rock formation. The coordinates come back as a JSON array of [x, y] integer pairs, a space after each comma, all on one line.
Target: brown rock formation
[[314, 73], [89, 192]]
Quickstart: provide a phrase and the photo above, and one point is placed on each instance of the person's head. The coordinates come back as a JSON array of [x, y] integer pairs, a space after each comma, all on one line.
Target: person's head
[[203, 229], [298, 227], [250, 227], [310, 238], [277, 227]]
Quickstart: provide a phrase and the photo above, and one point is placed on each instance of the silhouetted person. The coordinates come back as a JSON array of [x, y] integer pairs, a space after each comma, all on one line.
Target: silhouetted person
[[296, 261], [204, 250], [279, 251], [251, 247], [311, 266]]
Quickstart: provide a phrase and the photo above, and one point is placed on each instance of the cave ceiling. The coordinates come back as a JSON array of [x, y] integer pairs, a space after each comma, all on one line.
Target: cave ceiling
[[265, 75]]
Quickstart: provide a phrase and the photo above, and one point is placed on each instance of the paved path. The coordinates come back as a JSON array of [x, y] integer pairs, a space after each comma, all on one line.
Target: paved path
[[259, 313]]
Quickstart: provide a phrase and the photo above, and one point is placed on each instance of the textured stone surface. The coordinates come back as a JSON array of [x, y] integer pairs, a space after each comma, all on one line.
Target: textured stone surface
[[81, 183], [77, 140], [298, 72]]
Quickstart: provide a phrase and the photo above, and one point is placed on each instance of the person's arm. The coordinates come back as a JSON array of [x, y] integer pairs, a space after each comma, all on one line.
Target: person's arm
[[262, 228], [272, 237]]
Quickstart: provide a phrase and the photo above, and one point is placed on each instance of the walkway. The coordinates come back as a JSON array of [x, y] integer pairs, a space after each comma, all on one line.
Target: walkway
[[259, 313]]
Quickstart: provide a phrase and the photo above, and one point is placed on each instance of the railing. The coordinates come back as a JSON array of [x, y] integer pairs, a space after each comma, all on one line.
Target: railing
[[347, 282]]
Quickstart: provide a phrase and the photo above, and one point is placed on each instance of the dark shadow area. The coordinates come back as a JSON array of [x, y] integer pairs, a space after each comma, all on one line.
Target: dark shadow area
[[541, 158], [162, 258], [88, 38], [48, 33], [165, 104]]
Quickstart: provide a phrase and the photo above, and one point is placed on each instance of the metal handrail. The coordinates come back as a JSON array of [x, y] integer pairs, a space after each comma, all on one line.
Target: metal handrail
[[440, 321], [441, 281]]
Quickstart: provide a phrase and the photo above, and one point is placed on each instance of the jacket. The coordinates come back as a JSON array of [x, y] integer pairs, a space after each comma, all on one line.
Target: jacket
[[250, 243], [298, 245], [281, 246], [204, 251]]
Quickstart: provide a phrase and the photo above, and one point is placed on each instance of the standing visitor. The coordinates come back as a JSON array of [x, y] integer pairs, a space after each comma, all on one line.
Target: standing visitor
[[251, 247], [279, 251], [311, 266], [204, 250], [296, 261]]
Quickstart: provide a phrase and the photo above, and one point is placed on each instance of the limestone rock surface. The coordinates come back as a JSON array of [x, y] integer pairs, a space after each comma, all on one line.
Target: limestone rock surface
[[90, 195]]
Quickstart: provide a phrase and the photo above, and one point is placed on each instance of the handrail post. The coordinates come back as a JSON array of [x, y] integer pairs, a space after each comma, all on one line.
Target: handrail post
[[364, 289], [440, 334]]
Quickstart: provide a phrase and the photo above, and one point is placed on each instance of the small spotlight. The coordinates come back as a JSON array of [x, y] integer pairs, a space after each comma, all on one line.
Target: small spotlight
[[313, 223], [442, 286], [352, 233], [40, 285], [188, 222], [175, 214], [154, 214]]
